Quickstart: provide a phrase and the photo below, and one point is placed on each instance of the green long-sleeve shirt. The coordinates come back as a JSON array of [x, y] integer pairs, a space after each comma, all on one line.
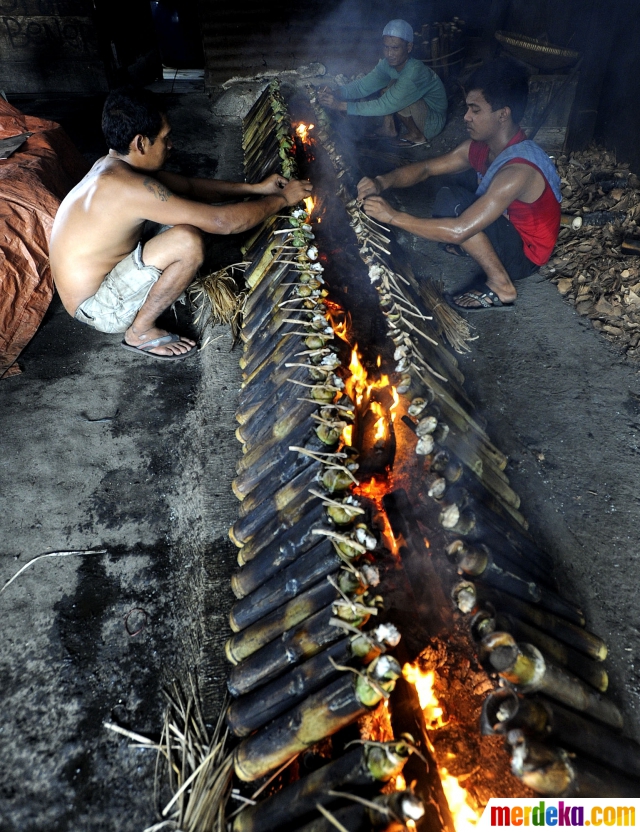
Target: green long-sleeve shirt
[[414, 81]]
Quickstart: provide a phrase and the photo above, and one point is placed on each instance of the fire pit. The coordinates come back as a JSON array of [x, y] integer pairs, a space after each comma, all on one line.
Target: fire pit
[[370, 497]]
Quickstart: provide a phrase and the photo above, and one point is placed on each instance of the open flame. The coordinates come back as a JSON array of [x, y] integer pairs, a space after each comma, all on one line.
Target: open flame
[[303, 132], [465, 817], [309, 204]]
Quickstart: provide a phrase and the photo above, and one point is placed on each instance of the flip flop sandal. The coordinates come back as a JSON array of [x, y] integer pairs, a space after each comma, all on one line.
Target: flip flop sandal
[[486, 297], [159, 342]]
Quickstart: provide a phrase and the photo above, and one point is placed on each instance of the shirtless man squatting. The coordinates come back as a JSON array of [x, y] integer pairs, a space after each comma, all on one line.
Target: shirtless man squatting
[[108, 275], [510, 225]]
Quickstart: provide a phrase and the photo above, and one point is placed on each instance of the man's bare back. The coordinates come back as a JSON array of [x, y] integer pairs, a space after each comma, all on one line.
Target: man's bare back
[[97, 225], [103, 277]]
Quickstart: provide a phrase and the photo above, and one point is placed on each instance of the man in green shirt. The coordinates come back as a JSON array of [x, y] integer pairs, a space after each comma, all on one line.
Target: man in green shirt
[[412, 91]]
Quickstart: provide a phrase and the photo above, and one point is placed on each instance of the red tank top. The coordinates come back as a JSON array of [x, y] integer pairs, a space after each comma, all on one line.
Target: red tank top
[[536, 222]]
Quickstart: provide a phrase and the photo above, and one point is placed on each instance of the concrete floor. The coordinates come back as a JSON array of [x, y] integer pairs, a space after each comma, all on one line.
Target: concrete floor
[[152, 486]]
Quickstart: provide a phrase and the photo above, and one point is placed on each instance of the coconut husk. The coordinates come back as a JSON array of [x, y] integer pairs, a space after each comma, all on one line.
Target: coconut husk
[[589, 266]]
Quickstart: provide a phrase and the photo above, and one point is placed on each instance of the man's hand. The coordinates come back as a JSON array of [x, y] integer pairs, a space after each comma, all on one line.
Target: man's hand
[[296, 190], [273, 184], [379, 209], [328, 99], [368, 187]]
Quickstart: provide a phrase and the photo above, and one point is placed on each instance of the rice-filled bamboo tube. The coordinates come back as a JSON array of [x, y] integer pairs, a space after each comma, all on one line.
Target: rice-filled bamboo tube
[[524, 665], [301, 641], [285, 351], [290, 543], [243, 644], [479, 562], [365, 766], [587, 669], [295, 494], [385, 813], [552, 772], [259, 482], [276, 421], [271, 283], [321, 715], [265, 343], [309, 568], [270, 391], [277, 557], [256, 272], [468, 596], [547, 721], [268, 701], [279, 292]]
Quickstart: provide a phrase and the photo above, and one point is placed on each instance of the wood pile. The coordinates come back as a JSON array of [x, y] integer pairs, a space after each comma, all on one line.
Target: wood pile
[[589, 265]]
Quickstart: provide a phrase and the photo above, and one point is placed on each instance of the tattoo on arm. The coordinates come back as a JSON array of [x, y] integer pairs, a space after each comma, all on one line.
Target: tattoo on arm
[[156, 188]]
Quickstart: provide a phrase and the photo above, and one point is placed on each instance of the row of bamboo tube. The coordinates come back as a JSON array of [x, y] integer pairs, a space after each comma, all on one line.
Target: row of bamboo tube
[[533, 638], [305, 618]]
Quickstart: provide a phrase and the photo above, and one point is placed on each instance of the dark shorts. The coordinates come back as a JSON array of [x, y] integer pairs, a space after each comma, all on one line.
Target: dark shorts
[[452, 200]]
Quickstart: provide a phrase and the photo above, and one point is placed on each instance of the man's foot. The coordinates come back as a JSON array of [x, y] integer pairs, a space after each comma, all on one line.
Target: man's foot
[[158, 343], [482, 297]]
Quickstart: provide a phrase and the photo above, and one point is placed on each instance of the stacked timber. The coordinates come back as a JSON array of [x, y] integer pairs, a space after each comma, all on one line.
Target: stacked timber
[[526, 633]]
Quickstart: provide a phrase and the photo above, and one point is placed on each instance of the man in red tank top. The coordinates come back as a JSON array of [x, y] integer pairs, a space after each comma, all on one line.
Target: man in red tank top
[[509, 226]]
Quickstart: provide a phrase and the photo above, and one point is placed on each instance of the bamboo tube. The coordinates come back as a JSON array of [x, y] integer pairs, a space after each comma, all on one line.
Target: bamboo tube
[[296, 644], [321, 715], [552, 772], [468, 595], [304, 572], [279, 291], [290, 542], [362, 767], [272, 280], [275, 421], [243, 644], [547, 721], [588, 670], [261, 481], [271, 391], [479, 562], [291, 497], [524, 665], [285, 351], [255, 709], [314, 671]]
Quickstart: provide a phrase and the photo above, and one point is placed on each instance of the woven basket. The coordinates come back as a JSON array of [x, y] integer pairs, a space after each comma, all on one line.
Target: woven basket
[[540, 55]]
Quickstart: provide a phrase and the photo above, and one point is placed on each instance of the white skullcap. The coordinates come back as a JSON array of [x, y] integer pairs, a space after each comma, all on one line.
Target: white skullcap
[[399, 29]]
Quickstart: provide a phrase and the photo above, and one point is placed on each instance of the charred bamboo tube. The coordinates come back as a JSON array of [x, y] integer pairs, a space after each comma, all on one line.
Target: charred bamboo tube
[[552, 772], [255, 709], [256, 272], [588, 670], [258, 707], [302, 641], [295, 495], [387, 813], [365, 766], [292, 542], [547, 721], [304, 572], [243, 644], [279, 273], [479, 562], [285, 351], [276, 421], [593, 673], [265, 343], [321, 715], [524, 666], [270, 391], [468, 595], [280, 291], [278, 557]]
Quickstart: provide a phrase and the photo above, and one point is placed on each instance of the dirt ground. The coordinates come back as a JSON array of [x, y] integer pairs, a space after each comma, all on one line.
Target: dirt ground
[[152, 486]]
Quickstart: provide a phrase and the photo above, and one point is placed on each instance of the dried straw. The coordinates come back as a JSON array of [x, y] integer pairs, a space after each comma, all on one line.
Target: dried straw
[[217, 300], [199, 765], [456, 330]]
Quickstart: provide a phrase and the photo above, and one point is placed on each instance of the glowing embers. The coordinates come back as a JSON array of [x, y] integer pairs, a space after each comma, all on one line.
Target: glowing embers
[[465, 817]]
